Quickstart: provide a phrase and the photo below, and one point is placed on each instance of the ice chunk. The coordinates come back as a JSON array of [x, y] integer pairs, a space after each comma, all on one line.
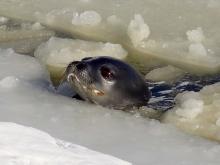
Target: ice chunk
[[190, 109], [3, 20], [198, 113], [26, 145], [60, 52], [197, 50], [14, 67], [138, 30], [196, 35], [8, 82], [87, 18], [37, 26], [167, 73]]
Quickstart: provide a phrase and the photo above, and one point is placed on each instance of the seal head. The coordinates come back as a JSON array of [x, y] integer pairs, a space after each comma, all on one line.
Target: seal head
[[108, 82]]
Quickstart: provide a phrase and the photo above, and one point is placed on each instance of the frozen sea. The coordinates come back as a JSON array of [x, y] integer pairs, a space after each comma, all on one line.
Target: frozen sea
[[28, 99], [40, 125]]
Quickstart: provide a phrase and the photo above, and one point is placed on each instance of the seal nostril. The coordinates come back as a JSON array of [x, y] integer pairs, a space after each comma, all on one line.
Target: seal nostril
[[81, 66]]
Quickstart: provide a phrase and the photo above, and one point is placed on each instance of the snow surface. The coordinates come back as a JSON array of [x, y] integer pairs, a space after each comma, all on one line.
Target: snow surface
[[22, 145], [31, 101], [173, 25]]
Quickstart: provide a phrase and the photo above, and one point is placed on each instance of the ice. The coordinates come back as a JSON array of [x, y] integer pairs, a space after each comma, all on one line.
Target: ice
[[87, 18], [3, 20], [198, 50], [33, 103], [168, 74], [14, 66], [22, 145], [198, 112], [190, 109], [9, 82], [138, 30], [196, 35], [114, 20], [23, 37], [57, 53], [167, 20]]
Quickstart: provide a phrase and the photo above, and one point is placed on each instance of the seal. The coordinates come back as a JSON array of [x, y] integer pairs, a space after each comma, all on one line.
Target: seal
[[108, 82]]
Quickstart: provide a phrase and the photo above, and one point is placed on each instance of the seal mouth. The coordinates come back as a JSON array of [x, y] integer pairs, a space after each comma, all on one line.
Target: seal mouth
[[78, 75]]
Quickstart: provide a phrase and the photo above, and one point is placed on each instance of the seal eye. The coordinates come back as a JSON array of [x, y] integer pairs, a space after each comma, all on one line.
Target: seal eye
[[107, 73]]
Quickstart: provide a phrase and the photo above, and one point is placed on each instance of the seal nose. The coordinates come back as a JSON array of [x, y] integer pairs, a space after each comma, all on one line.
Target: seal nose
[[81, 66]]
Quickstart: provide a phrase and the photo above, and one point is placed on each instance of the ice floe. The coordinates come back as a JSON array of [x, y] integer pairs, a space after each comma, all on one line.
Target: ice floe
[[172, 27]]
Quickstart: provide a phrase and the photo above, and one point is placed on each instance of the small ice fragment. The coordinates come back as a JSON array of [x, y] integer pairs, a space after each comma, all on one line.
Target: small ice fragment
[[3, 20], [37, 26], [8, 82], [190, 108], [138, 30], [197, 49], [195, 35], [91, 18]]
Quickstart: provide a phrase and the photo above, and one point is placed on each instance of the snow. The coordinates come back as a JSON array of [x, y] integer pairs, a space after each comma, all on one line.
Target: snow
[[167, 20], [22, 145], [60, 52], [87, 18], [138, 30], [33, 102], [197, 112]]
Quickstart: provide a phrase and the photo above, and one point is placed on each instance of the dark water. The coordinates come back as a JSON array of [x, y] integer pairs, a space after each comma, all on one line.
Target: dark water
[[163, 94]]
